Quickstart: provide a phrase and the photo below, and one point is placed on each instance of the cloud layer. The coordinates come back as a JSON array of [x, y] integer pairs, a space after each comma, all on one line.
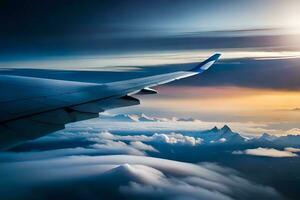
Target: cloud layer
[[269, 152], [170, 138], [130, 177], [147, 165]]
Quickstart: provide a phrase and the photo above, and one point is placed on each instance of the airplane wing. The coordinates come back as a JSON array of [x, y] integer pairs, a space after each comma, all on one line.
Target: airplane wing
[[33, 107]]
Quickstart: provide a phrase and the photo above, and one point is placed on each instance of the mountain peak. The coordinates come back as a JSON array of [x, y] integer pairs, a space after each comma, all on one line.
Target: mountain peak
[[267, 136], [225, 128], [123, 169], [214, 129], [143, 115], [144, 118]]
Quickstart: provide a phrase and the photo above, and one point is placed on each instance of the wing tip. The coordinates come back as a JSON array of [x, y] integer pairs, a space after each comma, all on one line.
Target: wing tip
[[207, 63]]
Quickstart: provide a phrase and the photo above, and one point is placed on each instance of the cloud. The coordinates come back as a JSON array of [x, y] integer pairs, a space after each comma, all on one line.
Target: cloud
[[170, 138], [109, 136], [143, 147], [291, 149], [84, 143], [293, 131], [46, 154], [127, 173], [267, 152], [116, 147], [173, 125], [124, 176], [176, 138]]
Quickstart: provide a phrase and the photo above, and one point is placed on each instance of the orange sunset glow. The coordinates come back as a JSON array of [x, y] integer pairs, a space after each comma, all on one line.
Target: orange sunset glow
[[252, 104]]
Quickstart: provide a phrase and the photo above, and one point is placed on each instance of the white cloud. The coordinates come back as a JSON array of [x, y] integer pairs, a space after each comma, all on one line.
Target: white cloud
[[293, 131], [170, 138], [116, 147], [291, 149], [135, 177], [39, 155], [141, 146], [108, 136], [266, 152], [176, 138]]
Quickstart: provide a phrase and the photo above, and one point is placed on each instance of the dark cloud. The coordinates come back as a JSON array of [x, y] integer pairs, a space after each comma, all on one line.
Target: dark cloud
[[247, 72], [104, 27], [140, 40], [251, 73]]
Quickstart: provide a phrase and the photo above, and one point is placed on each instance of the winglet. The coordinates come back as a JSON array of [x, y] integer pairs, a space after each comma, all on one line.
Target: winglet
[[206, 64]]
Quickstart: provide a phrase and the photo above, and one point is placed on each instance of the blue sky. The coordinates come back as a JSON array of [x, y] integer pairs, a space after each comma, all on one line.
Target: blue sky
[[256, 79], [61, 27]]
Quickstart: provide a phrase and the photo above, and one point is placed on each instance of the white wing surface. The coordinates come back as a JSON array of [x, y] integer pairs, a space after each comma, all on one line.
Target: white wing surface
[[32, 107]]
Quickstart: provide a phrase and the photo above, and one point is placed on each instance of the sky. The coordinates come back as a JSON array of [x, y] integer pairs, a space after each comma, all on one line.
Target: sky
[[232, 132], [256, 79], [57, 27]]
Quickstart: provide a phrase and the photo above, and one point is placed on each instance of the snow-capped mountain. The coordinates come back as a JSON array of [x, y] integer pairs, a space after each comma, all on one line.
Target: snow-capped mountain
[[266, 138], [215, 135], [128, 118], [119, 118], [145, 118], [223, 135]]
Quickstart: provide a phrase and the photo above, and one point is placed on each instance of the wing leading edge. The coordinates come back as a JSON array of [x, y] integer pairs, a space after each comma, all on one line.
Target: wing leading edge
[[33, 107]]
